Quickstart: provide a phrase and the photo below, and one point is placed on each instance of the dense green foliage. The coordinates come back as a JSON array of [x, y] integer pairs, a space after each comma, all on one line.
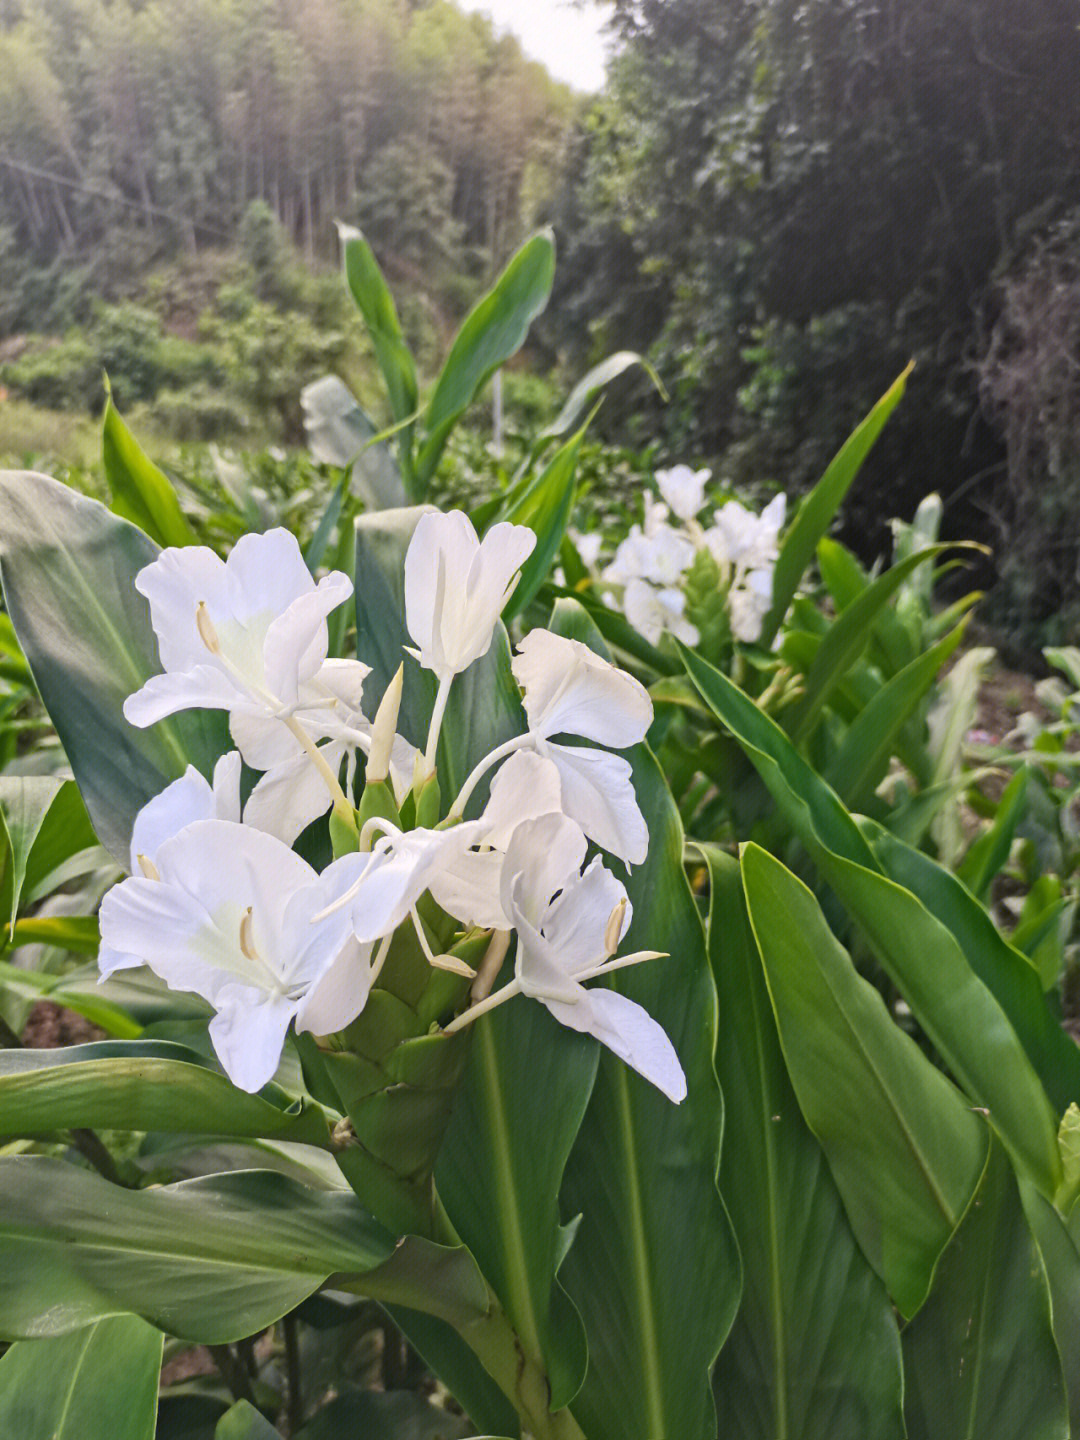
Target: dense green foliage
[[790, 201], [130, 130]]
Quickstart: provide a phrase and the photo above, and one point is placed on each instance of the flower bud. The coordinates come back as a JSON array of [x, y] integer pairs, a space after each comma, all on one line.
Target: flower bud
[[384, 728]]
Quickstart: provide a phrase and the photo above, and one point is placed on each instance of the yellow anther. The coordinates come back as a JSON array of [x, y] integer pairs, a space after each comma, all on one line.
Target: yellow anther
[[207, 634], [148, 868], [613, 929], [247, 937]]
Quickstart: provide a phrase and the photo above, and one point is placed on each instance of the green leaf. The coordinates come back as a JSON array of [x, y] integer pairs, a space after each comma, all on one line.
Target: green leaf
[[140, 491], [587, 391], [339, 433], [1061, 1263], [904, 1148], [643, 1171], [862, 759], [545, 508], [515, 1119], [211, 1260], [493, 330], [243, 1422], [990, 851], [815, 513], [68, 571], [78, 933], [959, 1014], [777, 1375], [980, 1357], [99, 1383], [25, 801], [143, 1085], [447, 1354], [845, 641], [392, 355], [1009, 974]]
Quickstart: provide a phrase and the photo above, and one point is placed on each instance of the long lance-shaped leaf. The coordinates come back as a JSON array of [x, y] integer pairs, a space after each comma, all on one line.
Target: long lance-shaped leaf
[[1061, 1262], [515, 1119], [68, 570], [862, 759], [980, 1357], [143, 1085], [44, 821], [778, 1376], [587, 391], [1011, 976], [493, 331], [990, 851], [906, 1150], [211, 1260], [100, 1383], [654, 1269], [845, 641], [815, 513], [958, 1012], [392, 355], [140, 491], [545, 508]]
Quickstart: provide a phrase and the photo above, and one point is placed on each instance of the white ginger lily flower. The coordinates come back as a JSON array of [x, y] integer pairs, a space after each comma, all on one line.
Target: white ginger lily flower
[[247, 634], [744, 540], [232, 916], [469, 887], [683, 489], [661, 557], [457, 585], [748, 604], [588, 546], [653, 611], [378, 890], [570, 690], [179, 805], [573, 937]]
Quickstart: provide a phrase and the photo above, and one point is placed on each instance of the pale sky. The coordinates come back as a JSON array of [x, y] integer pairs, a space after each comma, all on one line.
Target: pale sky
[[563, 35]]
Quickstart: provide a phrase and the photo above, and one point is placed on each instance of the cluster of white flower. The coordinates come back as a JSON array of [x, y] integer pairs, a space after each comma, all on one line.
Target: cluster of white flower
[[651, 562], [218, 902]]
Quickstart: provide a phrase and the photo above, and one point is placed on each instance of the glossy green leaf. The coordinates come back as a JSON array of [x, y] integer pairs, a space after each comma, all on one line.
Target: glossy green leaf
[[392, 355], [143, 1085], [1011, 977], [98, 1383], [493, 330], [1061, 1263], [515, 1119], [545, 508], [24, 803], [654, 1230], [905, 1148], [46, 824], [961, 1016], [816, 512], [68, 571], [211, 1260], [980, 1357], [845, 641], [244, 1422], [78, 933], [140, 491], [862, 759], [779, 1376]]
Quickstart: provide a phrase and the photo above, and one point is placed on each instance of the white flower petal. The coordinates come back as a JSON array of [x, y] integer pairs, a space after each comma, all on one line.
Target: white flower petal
[[570, 690], [269, 572], [290, 795], [248, 1034], [525, 787], [631, 1033], [542, 857], [683, 489], [399, 870], [456, 586], [468, 889], [296, 641], [203, 687], [341, 992], [577, 920], [598, 794], [174, 584]]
